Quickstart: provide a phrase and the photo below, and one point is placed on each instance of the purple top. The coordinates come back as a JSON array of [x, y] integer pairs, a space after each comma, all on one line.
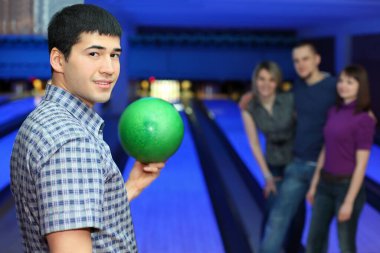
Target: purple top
[[346, 132]]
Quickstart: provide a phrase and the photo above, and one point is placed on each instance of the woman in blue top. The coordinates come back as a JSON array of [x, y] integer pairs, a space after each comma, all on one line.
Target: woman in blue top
[[337, 186]]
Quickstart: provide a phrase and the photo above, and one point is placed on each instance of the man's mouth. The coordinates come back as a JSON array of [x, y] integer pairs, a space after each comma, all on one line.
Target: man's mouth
[[103, 84]]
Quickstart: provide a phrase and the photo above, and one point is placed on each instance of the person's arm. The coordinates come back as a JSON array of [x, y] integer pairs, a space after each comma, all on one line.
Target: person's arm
[[245, 99], [140, 177], [76, 191], [253, 139], [76, 240], [345, 210], [315, 180]]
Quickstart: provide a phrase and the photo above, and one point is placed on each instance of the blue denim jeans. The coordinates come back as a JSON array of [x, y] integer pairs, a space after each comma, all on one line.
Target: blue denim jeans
[[328, 200], [292, 192], [277, 171], [293, 238]]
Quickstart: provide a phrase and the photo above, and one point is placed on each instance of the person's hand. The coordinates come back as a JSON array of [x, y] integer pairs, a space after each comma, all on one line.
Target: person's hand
[[345, 212], [270, 187], [310, 195], [245, 99], [141, 176]]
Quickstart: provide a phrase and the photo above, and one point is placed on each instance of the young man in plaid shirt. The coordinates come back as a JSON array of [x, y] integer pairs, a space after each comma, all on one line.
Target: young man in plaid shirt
[[70, 196]]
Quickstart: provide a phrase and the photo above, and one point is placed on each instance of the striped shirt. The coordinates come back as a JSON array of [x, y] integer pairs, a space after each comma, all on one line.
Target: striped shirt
[[63, 177]]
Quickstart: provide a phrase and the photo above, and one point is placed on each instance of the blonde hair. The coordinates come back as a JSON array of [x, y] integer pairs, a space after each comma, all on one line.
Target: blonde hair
[[272, 68]]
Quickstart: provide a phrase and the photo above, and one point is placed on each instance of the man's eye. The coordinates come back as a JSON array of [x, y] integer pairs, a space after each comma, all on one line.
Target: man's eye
[[115, 55], [94, 53]]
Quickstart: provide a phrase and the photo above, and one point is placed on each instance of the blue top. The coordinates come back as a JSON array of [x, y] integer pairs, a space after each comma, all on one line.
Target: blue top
[[63, 177], [312, 103], [345, 133]]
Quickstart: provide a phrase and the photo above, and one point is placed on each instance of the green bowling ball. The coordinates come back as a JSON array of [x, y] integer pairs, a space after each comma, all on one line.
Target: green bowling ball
[[151, 130]]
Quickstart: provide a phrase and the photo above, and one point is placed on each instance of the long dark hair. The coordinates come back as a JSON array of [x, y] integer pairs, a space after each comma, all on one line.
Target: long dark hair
[[363, 100]]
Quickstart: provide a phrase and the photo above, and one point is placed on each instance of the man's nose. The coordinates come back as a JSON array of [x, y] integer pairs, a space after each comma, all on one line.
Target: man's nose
[[107, 66]]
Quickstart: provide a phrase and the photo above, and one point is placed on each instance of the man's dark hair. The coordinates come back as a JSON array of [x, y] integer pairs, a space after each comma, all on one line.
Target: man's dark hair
[[306, 43], [67, 25]]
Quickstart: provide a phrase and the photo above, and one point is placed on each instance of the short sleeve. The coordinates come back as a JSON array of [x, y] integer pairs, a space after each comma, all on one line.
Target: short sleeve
[[70, 188], [365, 131]]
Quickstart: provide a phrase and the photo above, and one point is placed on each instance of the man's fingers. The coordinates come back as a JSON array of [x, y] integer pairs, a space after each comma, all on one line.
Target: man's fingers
[[158, 165], [151, 169]]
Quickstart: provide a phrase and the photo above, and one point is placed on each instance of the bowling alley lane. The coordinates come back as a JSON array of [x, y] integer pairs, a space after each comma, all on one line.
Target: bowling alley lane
[[14, 112], [227, 116], [175, 213], [373, 164], [4, 99], [11, 240], [6, 144]]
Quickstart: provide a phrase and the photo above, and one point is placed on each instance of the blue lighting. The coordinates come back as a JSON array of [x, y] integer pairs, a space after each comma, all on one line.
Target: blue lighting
[[6, 144]]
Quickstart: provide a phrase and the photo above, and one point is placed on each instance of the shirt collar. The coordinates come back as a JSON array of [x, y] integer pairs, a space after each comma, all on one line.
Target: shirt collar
[[88, 117]]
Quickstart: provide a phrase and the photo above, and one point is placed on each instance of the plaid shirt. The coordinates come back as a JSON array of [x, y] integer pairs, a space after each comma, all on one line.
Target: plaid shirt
[[63, 177]]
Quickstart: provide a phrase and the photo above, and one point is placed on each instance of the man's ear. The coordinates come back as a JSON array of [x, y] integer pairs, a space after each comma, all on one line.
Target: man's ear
[[318, 59], [57, 60]]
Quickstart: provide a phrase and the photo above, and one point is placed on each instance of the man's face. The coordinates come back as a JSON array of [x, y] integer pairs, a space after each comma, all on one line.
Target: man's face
[[92, 68], [305, 61]]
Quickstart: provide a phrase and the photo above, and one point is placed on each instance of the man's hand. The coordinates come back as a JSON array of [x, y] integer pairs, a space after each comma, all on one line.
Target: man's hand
[[245, 99], [141, 176]]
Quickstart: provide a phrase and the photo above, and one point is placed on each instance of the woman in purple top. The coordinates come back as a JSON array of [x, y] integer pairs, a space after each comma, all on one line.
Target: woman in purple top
[[337, 186]]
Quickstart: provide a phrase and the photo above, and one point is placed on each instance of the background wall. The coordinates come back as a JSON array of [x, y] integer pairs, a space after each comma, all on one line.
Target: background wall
[[366, 51], [199, 62]]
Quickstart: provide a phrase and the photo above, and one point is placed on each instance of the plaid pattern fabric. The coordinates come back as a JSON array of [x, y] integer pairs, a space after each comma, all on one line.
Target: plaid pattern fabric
[[63, 177]]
